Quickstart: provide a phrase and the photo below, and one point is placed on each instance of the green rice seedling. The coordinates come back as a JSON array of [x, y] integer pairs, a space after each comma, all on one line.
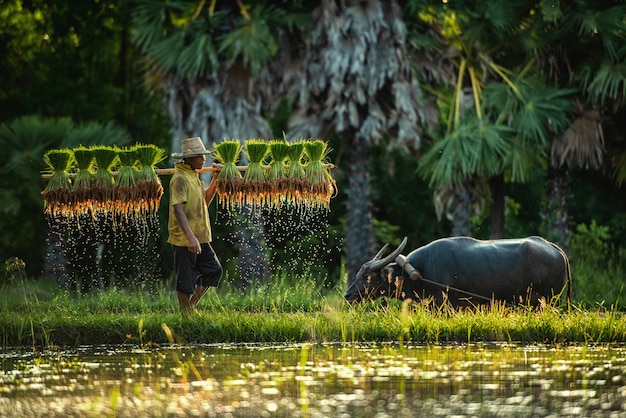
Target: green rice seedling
[[126, 191], [322, 185], [298, 182], [102, 184], [81, 186], [255, 187], [149, 187], [277, 177], [229, 183], [57, 193]]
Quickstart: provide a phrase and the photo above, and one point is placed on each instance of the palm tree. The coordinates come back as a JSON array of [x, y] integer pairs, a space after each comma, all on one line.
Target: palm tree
[[221, 67], [495, 113], [589, 54], [358, 85], [26, 140]]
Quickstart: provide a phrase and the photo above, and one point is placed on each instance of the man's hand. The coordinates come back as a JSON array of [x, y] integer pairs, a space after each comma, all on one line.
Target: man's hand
[[193, 246]]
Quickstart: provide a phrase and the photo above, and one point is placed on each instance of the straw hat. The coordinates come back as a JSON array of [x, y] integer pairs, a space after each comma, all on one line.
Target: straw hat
[[191, 147]]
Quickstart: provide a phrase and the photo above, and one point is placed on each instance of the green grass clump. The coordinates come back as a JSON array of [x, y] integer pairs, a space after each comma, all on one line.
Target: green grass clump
[[102, 182], [288, 310], [298, 185], [149, 187], [229, 183], [81, 186], [57, 193], [277, 178], [127, 195], [255, 187], [322, 185]]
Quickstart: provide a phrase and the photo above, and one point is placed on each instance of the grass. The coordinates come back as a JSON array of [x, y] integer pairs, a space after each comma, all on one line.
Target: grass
[[37, 314]]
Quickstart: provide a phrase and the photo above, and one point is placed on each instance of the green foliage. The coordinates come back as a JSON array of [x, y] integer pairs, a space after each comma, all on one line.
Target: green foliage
[[25, 141], [590, 242], [597, 268], [37, 315], [402, 198], [474, 148], [252, 39], [190, 40]]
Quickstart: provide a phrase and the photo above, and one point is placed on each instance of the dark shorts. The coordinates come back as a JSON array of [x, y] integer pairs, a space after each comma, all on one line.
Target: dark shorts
[[193, 270]]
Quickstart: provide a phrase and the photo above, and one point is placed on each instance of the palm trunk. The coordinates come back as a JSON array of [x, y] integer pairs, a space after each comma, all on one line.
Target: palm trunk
[[496, 186], [462, 211], [555, 213], [359, 230]]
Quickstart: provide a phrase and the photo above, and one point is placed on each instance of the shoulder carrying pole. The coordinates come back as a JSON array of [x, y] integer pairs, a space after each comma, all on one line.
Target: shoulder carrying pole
[[408, 267], [169, 171]]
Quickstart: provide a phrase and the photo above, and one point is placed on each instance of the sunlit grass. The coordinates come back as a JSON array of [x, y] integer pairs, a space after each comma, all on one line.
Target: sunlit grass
[[287, 310]]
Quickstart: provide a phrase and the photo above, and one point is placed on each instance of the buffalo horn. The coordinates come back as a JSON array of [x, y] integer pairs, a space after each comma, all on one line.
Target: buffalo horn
[[376, 264], [381, 252]]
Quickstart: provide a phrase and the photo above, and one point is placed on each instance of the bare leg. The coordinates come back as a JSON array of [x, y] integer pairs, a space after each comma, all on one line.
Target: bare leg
[[197, 295], [184, 300]]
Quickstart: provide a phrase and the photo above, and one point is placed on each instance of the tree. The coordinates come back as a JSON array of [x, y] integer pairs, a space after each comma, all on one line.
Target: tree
[[66, 67], [25, 140], [68, 59], [222, 66], [588, 54], [496, 114], [358, 85]]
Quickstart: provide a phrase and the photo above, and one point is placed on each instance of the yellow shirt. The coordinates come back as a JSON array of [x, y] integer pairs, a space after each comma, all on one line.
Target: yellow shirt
[[186, 187]]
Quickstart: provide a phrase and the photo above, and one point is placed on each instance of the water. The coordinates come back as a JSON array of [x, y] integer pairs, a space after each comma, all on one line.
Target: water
[[321, 380], [279, 240]]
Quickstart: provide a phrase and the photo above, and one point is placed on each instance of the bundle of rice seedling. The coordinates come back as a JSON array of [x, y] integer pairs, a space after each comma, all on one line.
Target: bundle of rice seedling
[[322, 185], [229, 183], [102, 182], [57, 194], [298, 183], [148, 185], [254, 183], [126, 193], [81, 186], [277, 178]]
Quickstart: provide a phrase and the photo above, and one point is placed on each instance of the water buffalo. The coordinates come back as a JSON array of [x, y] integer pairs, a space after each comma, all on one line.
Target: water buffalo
[[467, 271]]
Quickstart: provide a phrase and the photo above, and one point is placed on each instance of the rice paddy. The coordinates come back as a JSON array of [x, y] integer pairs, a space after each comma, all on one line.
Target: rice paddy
[[290, 348], [101, 204], [315, 380], [280, 173], [94, 189]]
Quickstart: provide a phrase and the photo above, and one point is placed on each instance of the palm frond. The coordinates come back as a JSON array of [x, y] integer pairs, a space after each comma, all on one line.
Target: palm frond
[[475, 148], [551, 10], [534, 109], [253, 39], [153, 20], [521, 161], [582, 144], [165, 53], [604, 82], [607, 23], [198, 58], [96, 133], [26, 139]]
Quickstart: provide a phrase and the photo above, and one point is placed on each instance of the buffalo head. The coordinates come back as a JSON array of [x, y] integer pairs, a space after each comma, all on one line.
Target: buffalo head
[[372, 276]]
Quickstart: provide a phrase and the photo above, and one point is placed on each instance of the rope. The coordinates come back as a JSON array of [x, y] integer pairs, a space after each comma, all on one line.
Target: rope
[[415, 276]]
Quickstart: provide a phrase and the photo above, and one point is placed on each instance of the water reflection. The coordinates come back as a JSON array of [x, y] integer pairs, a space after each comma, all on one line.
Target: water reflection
[[355, 380]]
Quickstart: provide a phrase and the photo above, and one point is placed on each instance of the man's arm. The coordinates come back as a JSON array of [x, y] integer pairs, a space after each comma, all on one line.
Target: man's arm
[[193, 245], [209, 193]]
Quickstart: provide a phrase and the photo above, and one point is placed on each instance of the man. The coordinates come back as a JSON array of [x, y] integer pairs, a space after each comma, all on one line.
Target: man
[[196, 265]]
